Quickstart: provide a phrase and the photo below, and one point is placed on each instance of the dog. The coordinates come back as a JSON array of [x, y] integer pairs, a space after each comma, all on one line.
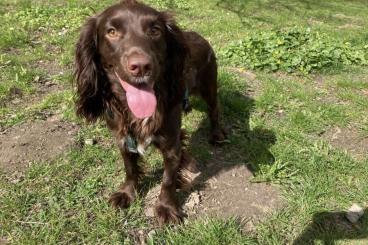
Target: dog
[[135, 68]]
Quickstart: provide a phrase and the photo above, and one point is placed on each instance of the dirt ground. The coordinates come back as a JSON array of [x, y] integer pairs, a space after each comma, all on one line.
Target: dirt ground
[[348, 139], [34, 141], [227, 194]]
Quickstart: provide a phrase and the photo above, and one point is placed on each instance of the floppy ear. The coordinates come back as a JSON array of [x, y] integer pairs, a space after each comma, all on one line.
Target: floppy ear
[[88, 74], [177, 49]]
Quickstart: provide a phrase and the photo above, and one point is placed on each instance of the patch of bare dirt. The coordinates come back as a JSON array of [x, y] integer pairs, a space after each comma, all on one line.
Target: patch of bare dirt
[[16, 97], [346, 17], [43, 84], [231, 194], [350, 26], [312, 21], [17, 100], [34, 141], [227, 194], [3, 241], [253, 84], [348, 139], [326, 92]]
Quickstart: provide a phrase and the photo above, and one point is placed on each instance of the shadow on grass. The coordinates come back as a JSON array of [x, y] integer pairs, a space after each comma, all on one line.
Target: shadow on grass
[[247, 147], [329, 227]]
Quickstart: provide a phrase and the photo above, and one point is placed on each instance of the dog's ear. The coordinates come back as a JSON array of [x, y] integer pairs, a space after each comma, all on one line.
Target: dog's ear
[[177, 49], [88, 74]]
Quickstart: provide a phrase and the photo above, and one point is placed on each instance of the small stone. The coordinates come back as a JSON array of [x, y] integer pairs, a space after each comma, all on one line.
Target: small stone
[[151, 234], [16, 101], [50, 84], [90, 142], [3, 240], [15, 91], [63, 31], [336, 134], [141, 237], [16, 178], [193, 200], [36, 79], [149, 212], [354, 213], [249, 75], [54, 118]]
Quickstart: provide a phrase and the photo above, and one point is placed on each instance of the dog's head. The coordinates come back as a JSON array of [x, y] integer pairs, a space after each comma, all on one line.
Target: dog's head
[[128, 43]]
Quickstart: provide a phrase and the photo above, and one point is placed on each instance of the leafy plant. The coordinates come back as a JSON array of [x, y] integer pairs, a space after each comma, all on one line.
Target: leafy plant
[[293, 50]]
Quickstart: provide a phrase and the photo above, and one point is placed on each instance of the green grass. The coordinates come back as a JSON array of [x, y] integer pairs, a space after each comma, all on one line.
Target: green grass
[[294, 50], [277, 131]]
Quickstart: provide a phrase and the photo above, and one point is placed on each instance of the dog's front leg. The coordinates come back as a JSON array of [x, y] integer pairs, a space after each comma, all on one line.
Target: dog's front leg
[[167, 209], [126, 194], [169, 143]]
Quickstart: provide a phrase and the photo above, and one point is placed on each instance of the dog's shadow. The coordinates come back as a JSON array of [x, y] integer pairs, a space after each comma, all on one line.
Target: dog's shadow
[[246, 146], [329, 227]]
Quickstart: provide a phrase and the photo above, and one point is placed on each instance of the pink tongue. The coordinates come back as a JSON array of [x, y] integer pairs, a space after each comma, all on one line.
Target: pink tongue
[[141, 101]]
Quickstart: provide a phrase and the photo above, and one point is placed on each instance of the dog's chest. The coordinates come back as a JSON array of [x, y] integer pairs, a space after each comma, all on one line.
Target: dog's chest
[[134, 145], [139, 136]]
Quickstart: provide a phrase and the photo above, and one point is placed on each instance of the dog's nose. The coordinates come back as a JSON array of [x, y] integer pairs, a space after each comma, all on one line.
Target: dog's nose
[[139, 65]]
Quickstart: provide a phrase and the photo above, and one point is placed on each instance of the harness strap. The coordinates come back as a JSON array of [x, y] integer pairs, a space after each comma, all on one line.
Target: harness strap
[[186, 100], [131, 144]]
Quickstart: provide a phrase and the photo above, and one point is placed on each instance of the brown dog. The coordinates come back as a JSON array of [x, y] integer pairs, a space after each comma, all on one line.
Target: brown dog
[[134, 68]]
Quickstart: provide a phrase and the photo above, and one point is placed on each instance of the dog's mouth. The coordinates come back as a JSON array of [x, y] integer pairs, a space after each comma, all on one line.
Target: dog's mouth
[[141, 97], [141, 81]]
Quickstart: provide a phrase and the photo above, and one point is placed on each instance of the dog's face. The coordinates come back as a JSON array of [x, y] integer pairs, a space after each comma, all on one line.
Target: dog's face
[[132, 42]]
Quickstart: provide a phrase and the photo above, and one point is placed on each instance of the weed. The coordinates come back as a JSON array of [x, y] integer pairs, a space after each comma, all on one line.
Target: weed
[[294, 50]]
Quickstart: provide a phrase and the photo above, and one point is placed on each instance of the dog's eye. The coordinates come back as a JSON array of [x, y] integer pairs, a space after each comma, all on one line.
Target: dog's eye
[[155, 31], [112, 33]]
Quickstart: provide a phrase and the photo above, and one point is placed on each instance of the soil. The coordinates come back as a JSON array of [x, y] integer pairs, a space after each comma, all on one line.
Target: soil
[[250, 78], [348, 139], [3, 241], [34, 141], [350, 26], [228, 193], [43, 87], [231, 194]]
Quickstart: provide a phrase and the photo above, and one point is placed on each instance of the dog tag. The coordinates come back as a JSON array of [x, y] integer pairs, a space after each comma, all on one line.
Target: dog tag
[[131, 144]]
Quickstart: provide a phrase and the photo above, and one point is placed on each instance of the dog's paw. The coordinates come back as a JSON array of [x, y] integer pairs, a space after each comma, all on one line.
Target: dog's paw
[[168, 214], [121, 199], [218, 137]]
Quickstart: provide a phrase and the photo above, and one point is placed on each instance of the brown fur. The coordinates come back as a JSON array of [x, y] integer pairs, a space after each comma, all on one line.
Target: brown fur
[[177, 60]]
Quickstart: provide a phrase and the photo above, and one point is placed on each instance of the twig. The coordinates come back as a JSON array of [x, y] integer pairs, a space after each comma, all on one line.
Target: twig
[[31, 222]]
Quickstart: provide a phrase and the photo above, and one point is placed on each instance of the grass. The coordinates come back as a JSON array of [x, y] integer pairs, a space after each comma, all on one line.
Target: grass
[[294, 50], [278, 131]]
